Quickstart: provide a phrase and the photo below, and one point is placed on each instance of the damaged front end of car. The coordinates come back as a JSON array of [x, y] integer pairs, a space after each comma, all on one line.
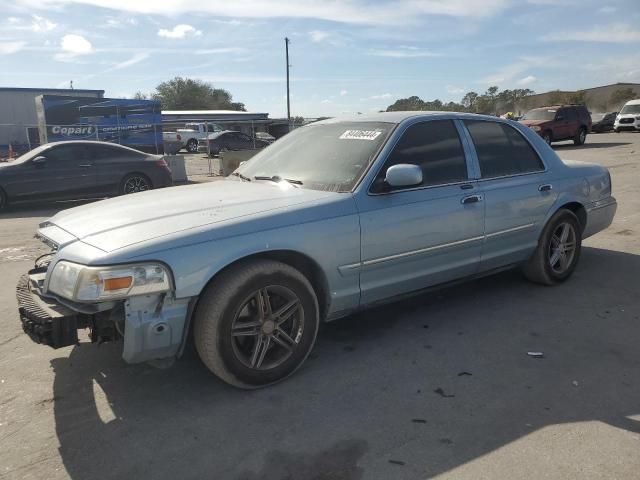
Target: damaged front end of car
[[133, 303]]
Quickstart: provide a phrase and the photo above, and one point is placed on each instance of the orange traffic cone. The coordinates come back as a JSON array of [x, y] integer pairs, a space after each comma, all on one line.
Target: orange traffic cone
[[10, 152]]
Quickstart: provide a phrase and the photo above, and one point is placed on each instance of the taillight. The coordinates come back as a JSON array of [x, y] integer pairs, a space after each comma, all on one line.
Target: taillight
[[162, 163], [178, 137]]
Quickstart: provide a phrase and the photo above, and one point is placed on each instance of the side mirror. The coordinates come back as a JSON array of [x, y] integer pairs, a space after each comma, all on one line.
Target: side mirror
[[404, 175], [559, 117], [39, 160]]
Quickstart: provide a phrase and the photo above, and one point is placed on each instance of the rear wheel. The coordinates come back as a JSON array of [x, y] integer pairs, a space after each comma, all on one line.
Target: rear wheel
[[256, 323], [580, 137], [134, 183], [192, 145], [558, 250]]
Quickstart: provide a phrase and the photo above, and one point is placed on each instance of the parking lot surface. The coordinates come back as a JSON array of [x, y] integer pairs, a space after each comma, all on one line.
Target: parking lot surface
[[437, 386]]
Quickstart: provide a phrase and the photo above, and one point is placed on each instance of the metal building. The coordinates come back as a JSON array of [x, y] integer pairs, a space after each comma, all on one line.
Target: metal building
[[18, 118]]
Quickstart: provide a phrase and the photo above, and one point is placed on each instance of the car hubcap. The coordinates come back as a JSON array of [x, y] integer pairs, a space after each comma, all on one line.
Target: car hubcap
[[583, 136], [267, 328], [192, 147], [136, 184], [562, 248]]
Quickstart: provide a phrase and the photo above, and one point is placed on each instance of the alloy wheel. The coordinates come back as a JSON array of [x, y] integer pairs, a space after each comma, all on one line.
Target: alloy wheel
[[136, 184], [267, 328], [562, 248]]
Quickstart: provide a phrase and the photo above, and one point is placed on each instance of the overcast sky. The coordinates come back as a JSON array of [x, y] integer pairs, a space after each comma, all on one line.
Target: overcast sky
[[347, 56]]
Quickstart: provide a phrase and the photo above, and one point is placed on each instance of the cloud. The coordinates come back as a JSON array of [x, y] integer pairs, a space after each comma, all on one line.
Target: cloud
[[13, 20], [607, 9], [318, 35], [113, 22], [510, 72], [382, 96], [528, 80], [72, 47], [453, 90], [179, 32], [350, 12], [403, 52], [343, 93], [7, 48], [41, 24], [614, 33], [136, 58], [215, 51]]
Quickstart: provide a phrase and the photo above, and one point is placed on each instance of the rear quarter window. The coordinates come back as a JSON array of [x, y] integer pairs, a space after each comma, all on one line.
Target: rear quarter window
[[502, 150]]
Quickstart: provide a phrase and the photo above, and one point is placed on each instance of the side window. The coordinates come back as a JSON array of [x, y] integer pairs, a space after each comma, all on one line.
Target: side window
[[66, 153], [571, 114], [435, 147], [101, 152], [502, 150], [561, 114]]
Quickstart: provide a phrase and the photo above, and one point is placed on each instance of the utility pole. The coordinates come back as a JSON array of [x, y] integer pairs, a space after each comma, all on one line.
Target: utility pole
[[286, 47]]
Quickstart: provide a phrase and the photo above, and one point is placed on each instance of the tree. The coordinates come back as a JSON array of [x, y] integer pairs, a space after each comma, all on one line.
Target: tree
[[557, 98], [187, 94], [578, 98], [621, 96], [469, 101], [140, 96]]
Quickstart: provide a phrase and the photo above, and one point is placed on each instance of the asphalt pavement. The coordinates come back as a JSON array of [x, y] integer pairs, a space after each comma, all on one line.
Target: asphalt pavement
[[437, 386]]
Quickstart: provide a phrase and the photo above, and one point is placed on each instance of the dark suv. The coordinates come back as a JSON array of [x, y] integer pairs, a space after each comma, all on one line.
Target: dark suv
[[559, 122]]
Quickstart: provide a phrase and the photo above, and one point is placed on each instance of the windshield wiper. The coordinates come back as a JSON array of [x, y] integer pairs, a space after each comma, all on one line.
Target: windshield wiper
[[239, 175], [277, 178]]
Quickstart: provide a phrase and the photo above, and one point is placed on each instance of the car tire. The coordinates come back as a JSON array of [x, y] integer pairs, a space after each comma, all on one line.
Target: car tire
[[134, 183], [617, 130], [580, 137], [257, 351], [546, 136], [558, 250], [192, 145]]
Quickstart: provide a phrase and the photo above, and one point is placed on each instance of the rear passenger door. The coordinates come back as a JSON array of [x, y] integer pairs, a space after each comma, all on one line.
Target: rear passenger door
[[516, 189], [561, 129], [423, 235], [111, 164]]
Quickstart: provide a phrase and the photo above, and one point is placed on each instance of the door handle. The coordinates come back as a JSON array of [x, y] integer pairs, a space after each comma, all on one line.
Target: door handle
[[471, 199], [86, 165], [545, 188]]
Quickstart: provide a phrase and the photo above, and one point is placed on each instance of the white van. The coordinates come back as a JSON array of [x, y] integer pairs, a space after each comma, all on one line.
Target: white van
[[629, 117]]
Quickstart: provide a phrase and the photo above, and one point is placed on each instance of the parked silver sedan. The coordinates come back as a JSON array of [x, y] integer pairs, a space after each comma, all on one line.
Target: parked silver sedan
[[334, 217]]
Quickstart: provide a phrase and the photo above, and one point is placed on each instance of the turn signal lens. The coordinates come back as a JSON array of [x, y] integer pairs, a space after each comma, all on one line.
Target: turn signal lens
[[111, 284]]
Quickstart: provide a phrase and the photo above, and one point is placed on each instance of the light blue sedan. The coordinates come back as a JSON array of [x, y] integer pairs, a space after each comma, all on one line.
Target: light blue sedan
[[334, 217]]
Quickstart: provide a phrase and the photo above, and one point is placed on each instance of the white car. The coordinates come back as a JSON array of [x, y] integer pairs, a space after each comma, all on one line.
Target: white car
[[190, 134], [629, 117]]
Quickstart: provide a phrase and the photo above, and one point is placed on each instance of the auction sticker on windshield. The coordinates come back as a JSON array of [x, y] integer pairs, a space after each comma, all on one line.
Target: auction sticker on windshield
[[360, 135]]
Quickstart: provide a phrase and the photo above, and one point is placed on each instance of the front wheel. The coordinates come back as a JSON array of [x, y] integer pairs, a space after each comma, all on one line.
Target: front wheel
[[558, 250], [192, 145], [546, 136], [580, 137], [256, 323], [135, 182]]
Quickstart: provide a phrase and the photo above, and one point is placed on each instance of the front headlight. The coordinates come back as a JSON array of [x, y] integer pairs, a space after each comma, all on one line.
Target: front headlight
[[91, 284], [535, 128]]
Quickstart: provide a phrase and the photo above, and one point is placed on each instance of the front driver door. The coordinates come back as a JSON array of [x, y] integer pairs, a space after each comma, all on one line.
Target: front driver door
[[431, 233], [65, 173]]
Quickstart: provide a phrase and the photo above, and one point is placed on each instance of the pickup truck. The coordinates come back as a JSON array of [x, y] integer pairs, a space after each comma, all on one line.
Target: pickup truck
[[190, 134]]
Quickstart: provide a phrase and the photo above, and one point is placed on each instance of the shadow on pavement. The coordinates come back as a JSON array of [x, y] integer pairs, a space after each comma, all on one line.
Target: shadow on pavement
[[410, 389]]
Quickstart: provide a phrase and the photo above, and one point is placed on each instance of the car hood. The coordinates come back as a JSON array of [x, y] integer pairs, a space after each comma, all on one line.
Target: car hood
[[530, 123], [120, 222]]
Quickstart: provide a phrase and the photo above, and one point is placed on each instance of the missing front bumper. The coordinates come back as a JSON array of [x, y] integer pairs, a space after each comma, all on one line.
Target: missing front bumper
[[45, 320]]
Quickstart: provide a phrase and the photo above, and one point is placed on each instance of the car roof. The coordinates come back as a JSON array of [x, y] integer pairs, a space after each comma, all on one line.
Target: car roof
[[215, 135], [633, 102], [91, 142], [399, 117]]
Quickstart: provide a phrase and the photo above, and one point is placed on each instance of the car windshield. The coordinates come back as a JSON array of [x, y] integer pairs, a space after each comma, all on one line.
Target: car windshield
[[30, 154], [540, 114], [329, 156], [631, 108], [597, 116]]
